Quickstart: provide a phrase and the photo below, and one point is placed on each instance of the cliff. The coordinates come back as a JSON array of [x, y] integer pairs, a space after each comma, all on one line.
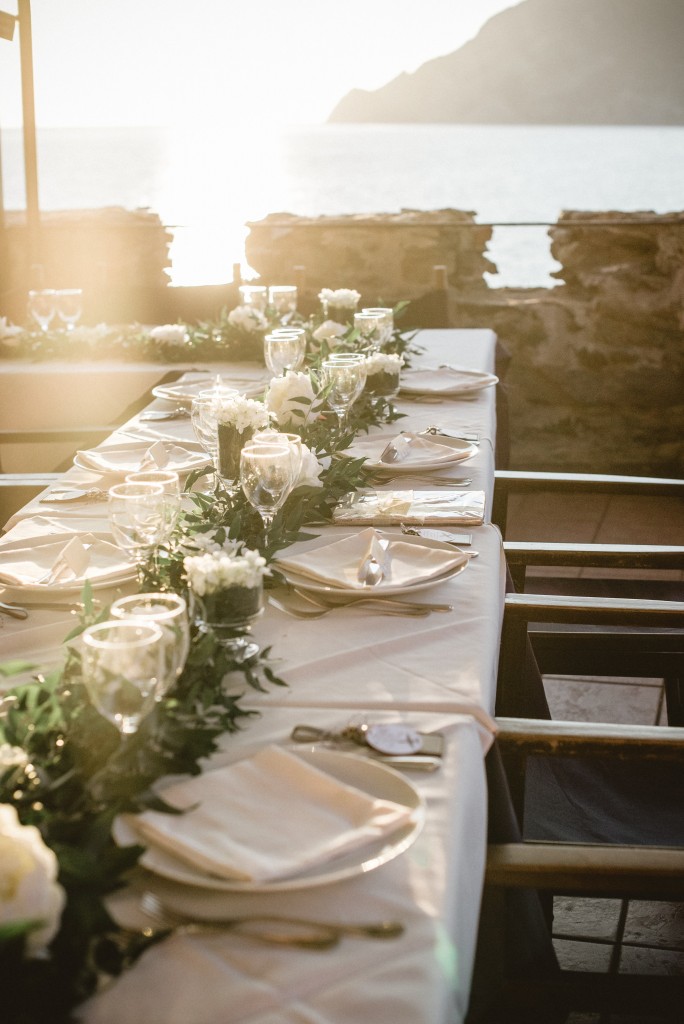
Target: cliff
[[546, 62]]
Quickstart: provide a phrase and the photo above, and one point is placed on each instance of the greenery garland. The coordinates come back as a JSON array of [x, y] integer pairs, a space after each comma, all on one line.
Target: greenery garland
[[78, 775]]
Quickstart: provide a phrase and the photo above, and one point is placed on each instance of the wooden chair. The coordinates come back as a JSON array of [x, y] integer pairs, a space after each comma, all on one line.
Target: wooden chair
[[572, 815]]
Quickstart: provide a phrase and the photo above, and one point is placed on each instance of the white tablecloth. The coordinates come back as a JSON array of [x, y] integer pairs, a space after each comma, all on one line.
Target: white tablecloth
[[427, 672]]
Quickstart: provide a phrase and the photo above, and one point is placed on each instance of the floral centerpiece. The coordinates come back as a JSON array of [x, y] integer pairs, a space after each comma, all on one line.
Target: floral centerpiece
[[292, 399], [248, 319], [226, 584], [339, 304], [237, 419], [382, 373]]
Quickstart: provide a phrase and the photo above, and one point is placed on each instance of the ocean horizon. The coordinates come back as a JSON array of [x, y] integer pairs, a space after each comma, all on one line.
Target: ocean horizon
[[206, 189]]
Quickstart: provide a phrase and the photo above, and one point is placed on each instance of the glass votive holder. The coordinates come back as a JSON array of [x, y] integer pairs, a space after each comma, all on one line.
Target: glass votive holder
[[386, 317], [284, 351], [369, 327]]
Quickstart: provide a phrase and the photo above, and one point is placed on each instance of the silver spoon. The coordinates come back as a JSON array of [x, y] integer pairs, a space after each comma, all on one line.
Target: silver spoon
[[17, 611]]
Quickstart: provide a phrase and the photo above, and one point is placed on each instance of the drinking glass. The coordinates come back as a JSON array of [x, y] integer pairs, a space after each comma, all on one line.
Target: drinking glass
[[69, 306], [254, 295], [228, 613], [42, 306], [203, 416], [369, 327], [345, 378], [386, 315], [266, 478], [137, 515], [170, 482], [170, 613], [283, 299], [284, 350], [122, 666], [291, 441]]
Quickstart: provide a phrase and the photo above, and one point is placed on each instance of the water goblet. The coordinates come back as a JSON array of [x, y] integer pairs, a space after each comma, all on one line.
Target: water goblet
[[69, 306], [386, 317], [170, 613], [42, 306], [369, 327], [170, 482], [121, 667], [137, 516], [345, 379], [254, 295], [284, 350], [291, 441], [266, 478], [282, 298]]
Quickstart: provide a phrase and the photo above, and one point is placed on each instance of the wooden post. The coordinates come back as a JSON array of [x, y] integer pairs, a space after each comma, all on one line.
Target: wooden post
[[29, 123]]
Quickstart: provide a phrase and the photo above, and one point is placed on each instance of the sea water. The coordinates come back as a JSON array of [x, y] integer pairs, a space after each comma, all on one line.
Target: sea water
[[207, 187]]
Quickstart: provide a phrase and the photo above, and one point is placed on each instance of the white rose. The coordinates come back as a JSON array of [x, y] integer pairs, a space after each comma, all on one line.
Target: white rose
[[383, 362], [29, 891], [282, 395], [172, 334], [310, 470], [329, 331], [247, 318], [9, 333], [343, 298]]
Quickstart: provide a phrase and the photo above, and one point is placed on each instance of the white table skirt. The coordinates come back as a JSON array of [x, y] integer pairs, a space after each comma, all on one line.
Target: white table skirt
[[422, 671]]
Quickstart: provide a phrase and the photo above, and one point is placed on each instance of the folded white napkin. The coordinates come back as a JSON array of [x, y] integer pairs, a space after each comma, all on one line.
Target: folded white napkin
[[58, 561], [141, 455], [269, 816], [419, 451], [338, 564], [412, 507], [446, 380]]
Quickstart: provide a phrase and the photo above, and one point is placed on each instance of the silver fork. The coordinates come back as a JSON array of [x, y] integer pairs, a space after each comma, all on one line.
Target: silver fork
[[270, 928]]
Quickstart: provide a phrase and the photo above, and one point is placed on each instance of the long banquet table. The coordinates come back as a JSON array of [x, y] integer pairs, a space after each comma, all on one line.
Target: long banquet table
[[435, 673]]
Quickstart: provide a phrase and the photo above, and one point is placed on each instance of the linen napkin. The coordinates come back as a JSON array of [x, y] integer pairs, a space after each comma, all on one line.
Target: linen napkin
[[56, 561], [269, 816], [418, 451], [338, 564], [140, 455], [445, 380], [415, 508]]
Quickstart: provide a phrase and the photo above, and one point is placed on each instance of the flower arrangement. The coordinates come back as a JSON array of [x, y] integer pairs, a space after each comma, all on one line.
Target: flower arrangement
[[382, 373], [247, 318], [292, 399], [31, 900], [170, 334], [339, 298], [237, 417], [329, 331], [216, 570]]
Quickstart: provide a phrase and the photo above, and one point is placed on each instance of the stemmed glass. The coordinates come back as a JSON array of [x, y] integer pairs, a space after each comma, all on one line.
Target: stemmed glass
[[285, 350], [369, 326], [69, 306], [291, 441], [282, 298], [42, 306], [266, 478], [122, 664], [345, 377], [254, 295], [386, 317], [170, 613], [138, 518], [170, 482]]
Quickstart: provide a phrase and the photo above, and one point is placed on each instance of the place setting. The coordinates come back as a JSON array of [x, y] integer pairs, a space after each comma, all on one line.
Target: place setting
[[140, 455], [189, 387], [408, 453], [445, 381]]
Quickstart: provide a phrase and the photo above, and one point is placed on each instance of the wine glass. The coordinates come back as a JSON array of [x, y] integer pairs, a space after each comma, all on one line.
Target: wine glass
[[122, 664], [69, 306], [137, 516], [266, 478], [369, 327], [291, 441], [170, 613], [282, 298], [254, 295], [386, 315], [345, 378], [42, 306], [170, 482], [284, 350]]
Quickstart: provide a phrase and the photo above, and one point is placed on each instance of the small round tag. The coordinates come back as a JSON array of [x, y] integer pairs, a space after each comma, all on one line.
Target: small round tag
[[393, 738]]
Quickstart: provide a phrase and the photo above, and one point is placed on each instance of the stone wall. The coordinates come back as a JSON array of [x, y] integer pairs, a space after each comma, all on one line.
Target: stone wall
[[384, 256]]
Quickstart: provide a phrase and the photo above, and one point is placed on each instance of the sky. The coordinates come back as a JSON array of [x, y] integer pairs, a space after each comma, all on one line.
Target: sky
[[222, 64]]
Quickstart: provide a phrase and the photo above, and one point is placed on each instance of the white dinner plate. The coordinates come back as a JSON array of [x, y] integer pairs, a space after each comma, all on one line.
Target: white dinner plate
[[369, 776], [183, 394], [42, 646], [126, 458], [445, 381], [380, 589], [460, 450]]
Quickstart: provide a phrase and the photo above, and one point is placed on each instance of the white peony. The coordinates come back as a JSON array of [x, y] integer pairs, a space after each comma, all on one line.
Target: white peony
[[9, 333], [247, 318], [310, 470], [282, 395], [342, 298], [383, 362], [218, 570], [329, 331], [29, 891], [171, 334], [242, 413]]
